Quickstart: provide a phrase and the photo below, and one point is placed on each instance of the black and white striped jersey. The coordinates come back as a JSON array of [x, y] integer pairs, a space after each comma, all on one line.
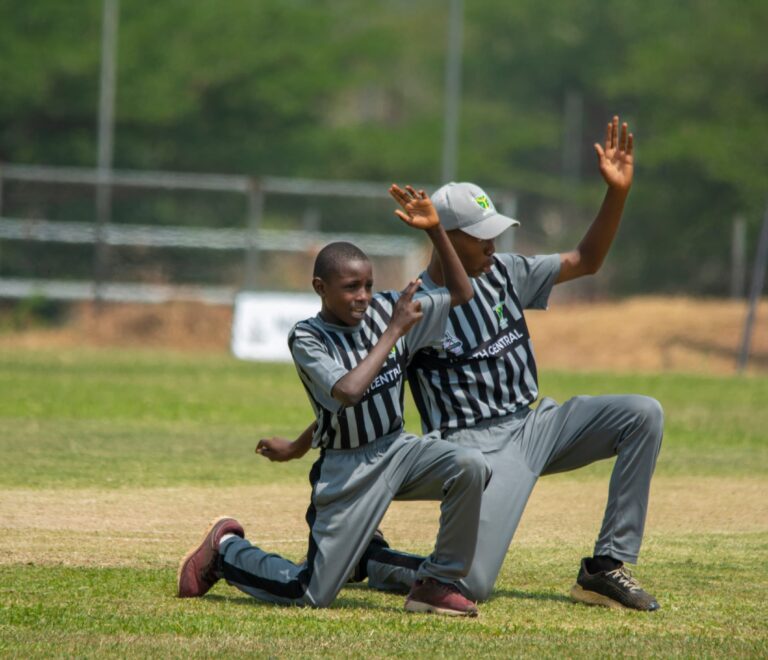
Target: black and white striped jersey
[[485, 367], [323, 353]]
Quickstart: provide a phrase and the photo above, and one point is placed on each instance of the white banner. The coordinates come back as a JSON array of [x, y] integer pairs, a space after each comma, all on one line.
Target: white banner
[[262, 321]]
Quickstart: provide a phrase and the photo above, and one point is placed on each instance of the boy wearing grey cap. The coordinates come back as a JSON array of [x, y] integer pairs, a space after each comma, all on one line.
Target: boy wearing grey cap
[[478, 387]]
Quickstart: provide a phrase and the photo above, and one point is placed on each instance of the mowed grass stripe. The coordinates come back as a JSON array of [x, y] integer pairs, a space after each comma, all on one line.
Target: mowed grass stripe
[[111, 419], [117, 607], [114, 462], [151, 527]]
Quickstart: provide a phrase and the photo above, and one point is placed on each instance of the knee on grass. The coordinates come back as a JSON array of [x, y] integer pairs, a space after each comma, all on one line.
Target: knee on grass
[[477, 588], [320, 602]]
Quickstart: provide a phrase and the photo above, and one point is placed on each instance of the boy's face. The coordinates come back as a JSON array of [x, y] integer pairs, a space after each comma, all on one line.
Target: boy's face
[[346, 293], [475, 253]]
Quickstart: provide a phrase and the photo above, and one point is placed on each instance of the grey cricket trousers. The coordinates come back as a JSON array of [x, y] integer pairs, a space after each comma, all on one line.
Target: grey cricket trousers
[[351, 491], [550, 439]]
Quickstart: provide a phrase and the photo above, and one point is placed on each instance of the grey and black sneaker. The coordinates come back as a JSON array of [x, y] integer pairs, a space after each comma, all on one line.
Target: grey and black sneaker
[[616, 588], [360, 572]]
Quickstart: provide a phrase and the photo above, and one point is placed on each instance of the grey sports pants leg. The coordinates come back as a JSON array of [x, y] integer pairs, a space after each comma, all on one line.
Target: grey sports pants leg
[[547, 440], [351, 492]]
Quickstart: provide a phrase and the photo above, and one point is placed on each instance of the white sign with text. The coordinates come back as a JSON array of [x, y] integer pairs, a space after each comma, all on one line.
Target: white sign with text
[[262, 321]]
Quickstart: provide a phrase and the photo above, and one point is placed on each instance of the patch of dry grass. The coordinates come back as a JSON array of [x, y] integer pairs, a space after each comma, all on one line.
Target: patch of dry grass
[[154, 526], [644, 333]]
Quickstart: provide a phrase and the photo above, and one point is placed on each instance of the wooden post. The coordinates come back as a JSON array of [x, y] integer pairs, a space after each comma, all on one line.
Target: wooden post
[[105, 145], [756, 290], [507, 204], [738, 257], [255, 213]]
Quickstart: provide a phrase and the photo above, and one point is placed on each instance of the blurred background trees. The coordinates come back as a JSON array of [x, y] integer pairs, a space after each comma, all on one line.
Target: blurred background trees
[[355, 90]]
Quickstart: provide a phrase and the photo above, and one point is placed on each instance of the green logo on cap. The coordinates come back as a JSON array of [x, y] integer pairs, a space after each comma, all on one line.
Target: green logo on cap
[[483, 201]]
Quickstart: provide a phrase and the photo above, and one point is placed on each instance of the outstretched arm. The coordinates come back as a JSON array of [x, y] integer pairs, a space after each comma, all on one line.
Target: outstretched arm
[[419, 212], [616, 162], [281, 449]]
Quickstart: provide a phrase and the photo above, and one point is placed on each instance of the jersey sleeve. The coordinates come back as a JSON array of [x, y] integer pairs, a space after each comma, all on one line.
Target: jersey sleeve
[[429, 331], [317, 369], [532, 277]]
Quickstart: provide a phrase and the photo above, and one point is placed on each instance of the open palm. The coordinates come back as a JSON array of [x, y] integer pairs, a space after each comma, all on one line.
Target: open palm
[[418, 211], [616, 158]]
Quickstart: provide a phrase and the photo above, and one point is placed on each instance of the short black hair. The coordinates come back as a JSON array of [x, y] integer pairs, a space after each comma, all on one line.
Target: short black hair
[[333, 255]]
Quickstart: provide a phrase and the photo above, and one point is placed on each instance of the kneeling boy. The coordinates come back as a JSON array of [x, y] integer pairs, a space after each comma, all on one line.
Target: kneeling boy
[[351, 359]]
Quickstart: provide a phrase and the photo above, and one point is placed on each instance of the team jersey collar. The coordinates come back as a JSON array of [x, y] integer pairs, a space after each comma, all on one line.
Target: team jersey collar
[[428, 284], [342, 328]]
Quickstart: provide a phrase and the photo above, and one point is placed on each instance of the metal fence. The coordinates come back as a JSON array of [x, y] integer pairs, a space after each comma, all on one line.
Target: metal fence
[[48, 191]]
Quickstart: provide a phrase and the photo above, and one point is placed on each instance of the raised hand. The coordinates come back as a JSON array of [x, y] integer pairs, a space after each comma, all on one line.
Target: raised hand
[[616, 159], [407, 312], [419, 212]]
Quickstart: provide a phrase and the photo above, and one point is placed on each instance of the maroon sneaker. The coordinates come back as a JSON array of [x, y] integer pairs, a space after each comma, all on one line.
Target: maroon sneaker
[[438, 597], [197, 571]]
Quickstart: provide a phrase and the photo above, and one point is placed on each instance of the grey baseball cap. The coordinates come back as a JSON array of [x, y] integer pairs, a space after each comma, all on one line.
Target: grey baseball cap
[[465, 206]]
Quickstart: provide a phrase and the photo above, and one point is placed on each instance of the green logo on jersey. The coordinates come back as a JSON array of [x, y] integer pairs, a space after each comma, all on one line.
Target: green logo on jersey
[[483, 202], [499, 309]]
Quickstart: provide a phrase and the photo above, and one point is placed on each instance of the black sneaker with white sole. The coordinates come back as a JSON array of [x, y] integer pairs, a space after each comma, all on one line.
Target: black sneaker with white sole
[[616, 588], [360, 572]]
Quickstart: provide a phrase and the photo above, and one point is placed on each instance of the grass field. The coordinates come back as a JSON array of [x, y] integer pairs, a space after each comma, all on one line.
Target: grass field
[[115, 461]]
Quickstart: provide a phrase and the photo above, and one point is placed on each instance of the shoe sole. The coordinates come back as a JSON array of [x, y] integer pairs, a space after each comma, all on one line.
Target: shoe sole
[[186, 558], [581, 595], [426, 608]]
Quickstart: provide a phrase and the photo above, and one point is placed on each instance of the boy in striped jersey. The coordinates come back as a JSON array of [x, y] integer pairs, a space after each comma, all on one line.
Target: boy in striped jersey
[[478, 387], [351, 359], [477, 390]]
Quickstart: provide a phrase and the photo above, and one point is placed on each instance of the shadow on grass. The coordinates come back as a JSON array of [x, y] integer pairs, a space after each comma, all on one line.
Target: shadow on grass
[[347, 601], [340, 602], [528, 595]]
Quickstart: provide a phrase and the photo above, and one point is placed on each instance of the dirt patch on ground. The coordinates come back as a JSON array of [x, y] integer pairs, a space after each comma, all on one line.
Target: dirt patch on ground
[[178, 325], [649, 334], [155, 526], [636, 334]]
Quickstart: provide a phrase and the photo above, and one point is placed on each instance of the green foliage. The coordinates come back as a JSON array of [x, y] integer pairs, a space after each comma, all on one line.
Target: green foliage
[[49, 73], [344, 90], [31, 312]]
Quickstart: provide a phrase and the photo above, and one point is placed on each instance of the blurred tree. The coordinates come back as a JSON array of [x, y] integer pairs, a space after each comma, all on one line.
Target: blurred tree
[[692, 79], [49, 74], [337, 89], [696, 75]]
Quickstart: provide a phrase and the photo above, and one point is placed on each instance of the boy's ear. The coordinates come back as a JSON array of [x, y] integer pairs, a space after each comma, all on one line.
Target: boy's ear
[[319, 286]]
